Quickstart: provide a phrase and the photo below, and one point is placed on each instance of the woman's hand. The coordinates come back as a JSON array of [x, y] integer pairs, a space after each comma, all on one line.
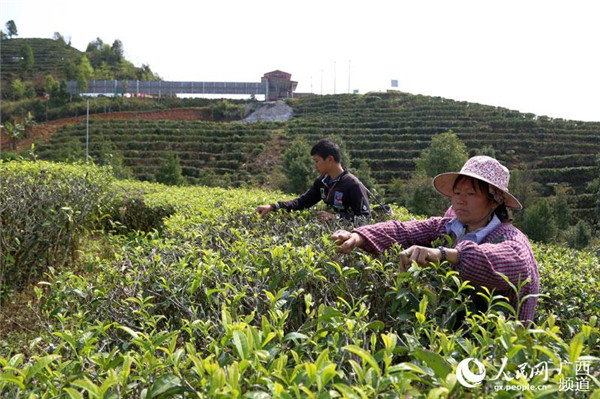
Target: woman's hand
[[347, 241], [422, 255]]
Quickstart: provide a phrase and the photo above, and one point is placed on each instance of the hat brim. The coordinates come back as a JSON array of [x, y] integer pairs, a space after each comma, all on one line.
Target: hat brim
[[444, 183]]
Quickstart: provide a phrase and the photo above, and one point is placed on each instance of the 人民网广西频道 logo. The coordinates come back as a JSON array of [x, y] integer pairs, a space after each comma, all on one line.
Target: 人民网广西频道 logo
[[466, 377]]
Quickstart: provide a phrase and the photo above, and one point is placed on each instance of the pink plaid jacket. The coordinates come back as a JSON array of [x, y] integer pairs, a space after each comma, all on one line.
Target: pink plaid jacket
[[505, 250]]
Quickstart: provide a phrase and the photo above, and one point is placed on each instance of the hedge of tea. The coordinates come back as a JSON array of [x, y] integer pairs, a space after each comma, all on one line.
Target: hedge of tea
[[43, 208], [217, 302]]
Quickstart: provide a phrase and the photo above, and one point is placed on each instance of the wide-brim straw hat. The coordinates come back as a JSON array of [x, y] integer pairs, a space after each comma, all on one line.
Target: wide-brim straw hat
[[482, 168]]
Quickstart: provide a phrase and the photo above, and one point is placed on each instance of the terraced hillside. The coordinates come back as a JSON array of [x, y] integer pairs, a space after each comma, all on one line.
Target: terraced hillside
[[48, 54], [227, 151], [388, 130]]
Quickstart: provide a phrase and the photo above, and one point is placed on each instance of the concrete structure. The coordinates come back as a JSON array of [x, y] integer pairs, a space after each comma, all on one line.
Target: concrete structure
[[279, 85], [273, 85]]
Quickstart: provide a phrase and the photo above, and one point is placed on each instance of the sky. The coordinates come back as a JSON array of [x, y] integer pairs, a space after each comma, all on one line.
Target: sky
[[540, 57]]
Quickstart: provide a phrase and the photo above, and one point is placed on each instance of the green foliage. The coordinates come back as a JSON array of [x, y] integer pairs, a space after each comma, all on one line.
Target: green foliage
[[11, 29], [169, 172], [362, 170], [84, 73], [598, 205], [227, 111], [523, 187], [446, 153], [14, 131], [419, 196], [70, 151], [27, 58], [133, 208], [579, 236], [42, 208], [485, 150], [561, 211], [18, 89], [59, 38], [221, 303], [109, 155], [297, 166], [538, 222]]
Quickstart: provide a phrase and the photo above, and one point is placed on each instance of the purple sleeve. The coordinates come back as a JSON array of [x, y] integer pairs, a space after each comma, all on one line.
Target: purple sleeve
[[379, 237], [481, 263]]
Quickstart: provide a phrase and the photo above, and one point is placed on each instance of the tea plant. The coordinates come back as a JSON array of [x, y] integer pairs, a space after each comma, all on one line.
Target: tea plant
[[213, 301]]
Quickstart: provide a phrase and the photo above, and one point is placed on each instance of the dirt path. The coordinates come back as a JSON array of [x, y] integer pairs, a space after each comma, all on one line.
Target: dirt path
[[44, 130]]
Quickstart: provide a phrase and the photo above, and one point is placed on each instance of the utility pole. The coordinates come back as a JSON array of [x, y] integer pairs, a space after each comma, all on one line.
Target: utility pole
[[334, 78], [87, 132], [348, 76], [321, 81]]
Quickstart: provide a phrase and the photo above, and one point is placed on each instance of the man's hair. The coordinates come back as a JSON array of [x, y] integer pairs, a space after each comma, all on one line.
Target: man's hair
[[325, 148]]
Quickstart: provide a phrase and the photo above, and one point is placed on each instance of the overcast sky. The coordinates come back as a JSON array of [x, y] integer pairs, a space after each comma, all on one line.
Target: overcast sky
[[534, 56]]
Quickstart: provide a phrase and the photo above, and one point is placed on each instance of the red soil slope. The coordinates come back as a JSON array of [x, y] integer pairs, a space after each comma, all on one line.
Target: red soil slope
[[43, 131]]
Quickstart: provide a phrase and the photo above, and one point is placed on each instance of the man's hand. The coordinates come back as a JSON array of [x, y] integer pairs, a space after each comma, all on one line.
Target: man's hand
[[324, 216], [262, 210], [347, 241], [422, 255]]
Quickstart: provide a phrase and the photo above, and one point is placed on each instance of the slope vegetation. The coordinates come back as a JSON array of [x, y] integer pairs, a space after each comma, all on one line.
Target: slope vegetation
[[388, 130]]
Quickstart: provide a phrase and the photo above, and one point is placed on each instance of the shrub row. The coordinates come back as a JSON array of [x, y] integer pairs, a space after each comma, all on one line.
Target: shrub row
[[43, 207]]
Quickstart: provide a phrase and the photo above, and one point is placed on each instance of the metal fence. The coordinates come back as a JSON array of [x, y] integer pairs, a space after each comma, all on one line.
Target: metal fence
[[159, 88]]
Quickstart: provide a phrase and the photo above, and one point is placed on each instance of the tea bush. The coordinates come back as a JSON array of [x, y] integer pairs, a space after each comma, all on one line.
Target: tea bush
[[43, 208], [221, 303]]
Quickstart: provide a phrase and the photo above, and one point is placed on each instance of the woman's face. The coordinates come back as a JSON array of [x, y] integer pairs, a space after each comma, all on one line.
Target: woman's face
[[471, 205]]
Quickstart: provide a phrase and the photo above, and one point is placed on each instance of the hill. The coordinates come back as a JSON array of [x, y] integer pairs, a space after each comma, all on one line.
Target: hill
[[50, 57], [388, 130], [34, 60]]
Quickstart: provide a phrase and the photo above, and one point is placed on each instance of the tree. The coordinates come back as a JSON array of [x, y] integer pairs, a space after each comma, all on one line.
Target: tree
[[84, 73], [418, 195], [50, 84], [579, 236], [560, 207], [116, 52], [11, 29], [28, 122], [104, 72], [538, 222], [59, 95], [59, 38], [110, 155], [170, 171], [362, 170], [598, 206], [70, 69], [297, 167], [18, 89], [14, 131], [446, 153], [27, 58], [522, 186]]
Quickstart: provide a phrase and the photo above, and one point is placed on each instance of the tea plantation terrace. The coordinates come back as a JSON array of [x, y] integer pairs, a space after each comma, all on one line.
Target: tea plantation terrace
[[388, 130]]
